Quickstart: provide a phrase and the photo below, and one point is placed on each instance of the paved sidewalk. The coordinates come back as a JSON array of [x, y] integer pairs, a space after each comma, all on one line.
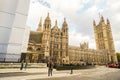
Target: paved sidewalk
[[41, 73], [16, 74]]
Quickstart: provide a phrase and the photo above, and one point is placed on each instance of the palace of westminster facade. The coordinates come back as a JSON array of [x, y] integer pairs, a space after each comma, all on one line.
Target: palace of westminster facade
[[52, 43]]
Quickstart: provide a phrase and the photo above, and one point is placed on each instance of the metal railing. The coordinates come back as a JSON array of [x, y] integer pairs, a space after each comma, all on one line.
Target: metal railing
[[9, 57]]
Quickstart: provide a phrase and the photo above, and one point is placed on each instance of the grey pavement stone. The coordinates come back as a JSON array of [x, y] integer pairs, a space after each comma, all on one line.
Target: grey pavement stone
[[41, 74]]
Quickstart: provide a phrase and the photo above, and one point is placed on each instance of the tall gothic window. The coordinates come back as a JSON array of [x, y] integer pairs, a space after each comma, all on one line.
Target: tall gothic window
[[30, 48], [38, 49], [64, 30], [55, 39], [51, 45], [55, 46]]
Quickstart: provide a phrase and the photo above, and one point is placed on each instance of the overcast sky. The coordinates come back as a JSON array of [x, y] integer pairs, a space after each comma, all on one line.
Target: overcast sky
[[79, 15]]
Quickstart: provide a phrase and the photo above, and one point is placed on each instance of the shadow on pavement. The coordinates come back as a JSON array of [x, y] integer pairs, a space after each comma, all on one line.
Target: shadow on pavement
[[10, 74]]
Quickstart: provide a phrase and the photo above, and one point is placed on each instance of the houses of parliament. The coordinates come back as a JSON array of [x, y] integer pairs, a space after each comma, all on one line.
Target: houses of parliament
[[51, 42]]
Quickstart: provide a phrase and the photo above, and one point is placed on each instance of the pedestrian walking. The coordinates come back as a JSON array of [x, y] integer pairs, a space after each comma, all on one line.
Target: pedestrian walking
[[50, 68], [26, 64], [22, 64], [71, 69]]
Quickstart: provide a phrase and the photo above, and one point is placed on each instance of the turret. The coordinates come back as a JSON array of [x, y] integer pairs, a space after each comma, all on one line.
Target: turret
[[65, 41], [55, 27], [101, 19], [104, 39], [94, 24], [65, 27], [47, 23], [48, 18], [56, 23], [65, 23], [46, 37], [40, 25], [108, 22]]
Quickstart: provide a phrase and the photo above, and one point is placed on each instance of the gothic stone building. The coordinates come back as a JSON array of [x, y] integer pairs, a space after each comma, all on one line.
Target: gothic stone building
[[104, 39], [52, 43], [48, 43], [85, 55], [105, 52]]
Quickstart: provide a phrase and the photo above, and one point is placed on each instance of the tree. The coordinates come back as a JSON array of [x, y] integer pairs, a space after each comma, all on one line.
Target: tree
[[118, 56]]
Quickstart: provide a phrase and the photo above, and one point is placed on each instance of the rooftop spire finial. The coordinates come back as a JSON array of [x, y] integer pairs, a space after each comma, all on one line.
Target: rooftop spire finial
[[64, 19], [94, 23], [48, 14], [40, 25], [108, 21], [102, 19], [56, 22], [41, 20]]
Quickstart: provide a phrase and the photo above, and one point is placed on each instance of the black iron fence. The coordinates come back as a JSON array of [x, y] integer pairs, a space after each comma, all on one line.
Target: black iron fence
[[9, 57]]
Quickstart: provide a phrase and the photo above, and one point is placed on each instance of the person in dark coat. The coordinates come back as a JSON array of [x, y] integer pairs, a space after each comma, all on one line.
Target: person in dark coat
[[50, 68], [22, 64], [71, 69], [26, 64]]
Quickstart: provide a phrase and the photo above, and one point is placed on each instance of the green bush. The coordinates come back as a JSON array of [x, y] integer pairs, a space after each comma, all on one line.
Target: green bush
[[61, 67]]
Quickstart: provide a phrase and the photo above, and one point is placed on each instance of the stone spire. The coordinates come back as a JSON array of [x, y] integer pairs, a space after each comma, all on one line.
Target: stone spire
[[101, 19], [64, 19], [48, 16], [108, 22], [94, 23], [65, 23], [65, 27], [55, 27], [56, 23], [40, 25], [47, 23], [40, 21], [47, 20]]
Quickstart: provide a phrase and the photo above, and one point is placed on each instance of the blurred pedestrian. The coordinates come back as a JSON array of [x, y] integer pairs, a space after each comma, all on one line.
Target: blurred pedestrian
[[26, 64], [22, 64], [50, 67], [71, 69]]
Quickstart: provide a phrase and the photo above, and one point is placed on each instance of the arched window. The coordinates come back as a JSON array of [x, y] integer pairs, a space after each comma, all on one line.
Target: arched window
[[30, 48], [38, 49], [64, 30]]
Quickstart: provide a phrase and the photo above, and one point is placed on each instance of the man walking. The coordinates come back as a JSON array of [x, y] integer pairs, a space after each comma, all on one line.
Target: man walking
[[22, 64], [26, 64], [50, 67]]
